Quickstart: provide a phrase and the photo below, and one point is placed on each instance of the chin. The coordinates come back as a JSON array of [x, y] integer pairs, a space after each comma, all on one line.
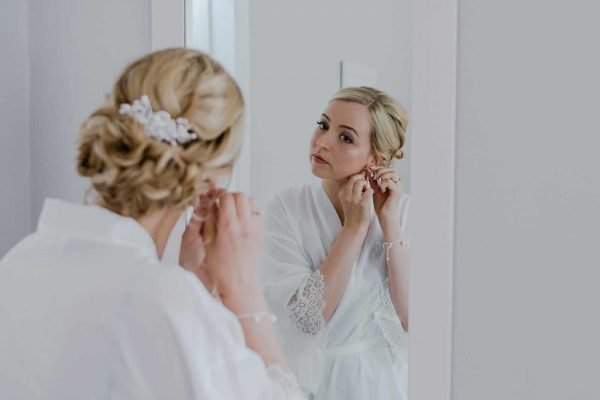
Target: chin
[[321, 175], [317, 173]]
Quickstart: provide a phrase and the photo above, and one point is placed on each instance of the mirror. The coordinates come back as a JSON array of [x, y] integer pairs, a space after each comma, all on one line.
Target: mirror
[[287, 59], [288, 81], [290, 59]]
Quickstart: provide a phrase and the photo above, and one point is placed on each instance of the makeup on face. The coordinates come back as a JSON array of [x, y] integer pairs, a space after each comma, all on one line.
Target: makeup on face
[[341, 140], [348, 135], [319, 160]]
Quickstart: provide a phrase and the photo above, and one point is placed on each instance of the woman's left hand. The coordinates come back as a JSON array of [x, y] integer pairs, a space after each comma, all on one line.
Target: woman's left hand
[[193, 247], [388, 192]]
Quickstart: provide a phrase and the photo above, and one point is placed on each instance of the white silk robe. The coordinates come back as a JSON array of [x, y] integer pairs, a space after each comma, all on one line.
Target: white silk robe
[[87, 311], [361, 352]]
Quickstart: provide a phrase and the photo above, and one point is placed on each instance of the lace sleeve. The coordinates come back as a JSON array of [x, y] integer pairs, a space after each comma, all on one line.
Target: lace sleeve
[[388, 322], [286, 382], [305, 307]]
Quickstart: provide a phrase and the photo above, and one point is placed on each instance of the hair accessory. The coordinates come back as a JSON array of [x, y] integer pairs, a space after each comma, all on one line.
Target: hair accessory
[[257, 316], [388, 245], [159, 125]]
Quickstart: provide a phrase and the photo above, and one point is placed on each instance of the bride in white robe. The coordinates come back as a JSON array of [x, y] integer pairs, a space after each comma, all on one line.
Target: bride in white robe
[[356, 349], [88, 311], [88, 307]]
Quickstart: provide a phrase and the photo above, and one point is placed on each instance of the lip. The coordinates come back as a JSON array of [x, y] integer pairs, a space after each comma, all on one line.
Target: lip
[[318, 159]]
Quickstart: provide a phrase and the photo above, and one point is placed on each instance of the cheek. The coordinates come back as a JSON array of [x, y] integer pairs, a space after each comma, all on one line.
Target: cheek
[[350, 160]]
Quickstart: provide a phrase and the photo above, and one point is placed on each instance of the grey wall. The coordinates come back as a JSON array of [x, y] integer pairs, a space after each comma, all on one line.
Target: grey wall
[[295, 54], [77, 50], [15, 218], [526, 316], [59, 59]]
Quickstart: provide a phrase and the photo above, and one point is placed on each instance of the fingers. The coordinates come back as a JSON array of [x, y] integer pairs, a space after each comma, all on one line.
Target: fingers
[[379, 171], [353, 179], [242, 208], [362, 190], [228, 216], [388, 175], [384, 186], [255, 214], [373, 183], [196, 221], [237, 211], [367, 194], [348, 188], [209, 226], [393, 187], [359, 188], [386, 179]]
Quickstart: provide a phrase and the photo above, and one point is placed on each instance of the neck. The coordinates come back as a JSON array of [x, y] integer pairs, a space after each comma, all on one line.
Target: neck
[[332, 189], [159, 224]]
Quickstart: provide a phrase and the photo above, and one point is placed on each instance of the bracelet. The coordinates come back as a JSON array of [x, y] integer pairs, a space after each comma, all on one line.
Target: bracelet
[[257, 316], [388, 245]]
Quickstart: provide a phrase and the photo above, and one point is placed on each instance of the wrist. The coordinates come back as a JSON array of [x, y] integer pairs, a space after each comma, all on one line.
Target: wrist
[[388, 217], [242, 298], [392, 232], [355, 230]]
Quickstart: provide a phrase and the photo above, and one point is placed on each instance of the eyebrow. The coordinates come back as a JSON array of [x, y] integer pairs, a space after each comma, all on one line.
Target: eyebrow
[[342, 126]]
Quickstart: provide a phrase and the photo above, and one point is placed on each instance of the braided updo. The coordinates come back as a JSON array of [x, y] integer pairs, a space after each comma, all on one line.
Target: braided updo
[[133, 174]]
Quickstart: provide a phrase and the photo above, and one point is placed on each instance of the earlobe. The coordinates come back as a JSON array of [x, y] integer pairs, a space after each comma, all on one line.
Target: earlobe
[[373, 162]]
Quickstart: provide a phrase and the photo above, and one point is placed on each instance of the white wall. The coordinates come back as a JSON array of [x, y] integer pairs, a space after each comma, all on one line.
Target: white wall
[[295, 54], [59, 58], [526, 316], [77, 50], [15, 218]]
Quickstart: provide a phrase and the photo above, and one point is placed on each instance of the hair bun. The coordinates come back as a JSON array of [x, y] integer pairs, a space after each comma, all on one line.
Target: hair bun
[[132, 173], [108, 139], [399, 154]]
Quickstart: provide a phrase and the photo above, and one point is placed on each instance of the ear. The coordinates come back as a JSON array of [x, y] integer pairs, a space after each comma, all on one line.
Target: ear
[[373, 160]]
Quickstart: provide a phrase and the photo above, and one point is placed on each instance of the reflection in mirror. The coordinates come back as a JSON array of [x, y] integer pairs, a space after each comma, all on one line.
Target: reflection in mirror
[[330, 169]]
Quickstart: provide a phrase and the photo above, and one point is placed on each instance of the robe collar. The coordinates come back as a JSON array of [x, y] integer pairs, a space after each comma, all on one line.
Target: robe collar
[[95, 223]]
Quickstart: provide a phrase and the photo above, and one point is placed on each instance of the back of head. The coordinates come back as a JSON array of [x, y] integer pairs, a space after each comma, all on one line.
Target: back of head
[[134, 174], [388, 119]]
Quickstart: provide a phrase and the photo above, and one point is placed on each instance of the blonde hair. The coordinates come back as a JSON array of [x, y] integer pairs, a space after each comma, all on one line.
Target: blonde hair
[[133, 174], [388, 117]]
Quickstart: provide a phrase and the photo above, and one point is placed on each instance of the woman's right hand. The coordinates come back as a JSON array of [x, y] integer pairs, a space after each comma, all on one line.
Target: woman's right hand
[[356, 197], [233, 234]]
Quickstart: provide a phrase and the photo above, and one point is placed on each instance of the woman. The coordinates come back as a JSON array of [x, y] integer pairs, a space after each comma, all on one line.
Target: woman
[[87, 308], [336, 258]]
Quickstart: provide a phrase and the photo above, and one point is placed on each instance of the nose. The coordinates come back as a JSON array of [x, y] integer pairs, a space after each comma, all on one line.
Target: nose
[[324, 140]]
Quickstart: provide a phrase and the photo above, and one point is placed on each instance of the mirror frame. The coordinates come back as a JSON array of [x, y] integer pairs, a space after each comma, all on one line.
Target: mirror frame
[[433, 117]]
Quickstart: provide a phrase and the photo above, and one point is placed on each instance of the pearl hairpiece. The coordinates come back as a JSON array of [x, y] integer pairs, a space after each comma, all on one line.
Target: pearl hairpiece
[[159, 125]]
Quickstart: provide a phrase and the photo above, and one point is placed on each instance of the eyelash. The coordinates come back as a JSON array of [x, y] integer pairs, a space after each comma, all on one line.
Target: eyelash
[[324, 126]]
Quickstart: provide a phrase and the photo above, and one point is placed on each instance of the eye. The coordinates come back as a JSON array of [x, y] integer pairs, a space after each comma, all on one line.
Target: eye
[[322, 125], [346, 138]]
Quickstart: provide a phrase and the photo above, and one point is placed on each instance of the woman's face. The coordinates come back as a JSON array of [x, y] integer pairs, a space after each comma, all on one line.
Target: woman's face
[[341, 144]]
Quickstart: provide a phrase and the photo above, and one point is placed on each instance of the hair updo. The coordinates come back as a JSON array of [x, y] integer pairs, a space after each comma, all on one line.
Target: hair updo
[[133, 174], [388, 118]]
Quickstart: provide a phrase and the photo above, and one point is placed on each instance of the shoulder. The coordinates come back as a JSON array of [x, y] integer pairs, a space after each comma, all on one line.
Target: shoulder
[[293, 195], [290, 201]]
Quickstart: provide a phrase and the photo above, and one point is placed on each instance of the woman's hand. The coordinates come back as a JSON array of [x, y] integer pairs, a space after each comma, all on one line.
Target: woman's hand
[[388, 191], [233, 235], [356, 195], [193, 251]]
